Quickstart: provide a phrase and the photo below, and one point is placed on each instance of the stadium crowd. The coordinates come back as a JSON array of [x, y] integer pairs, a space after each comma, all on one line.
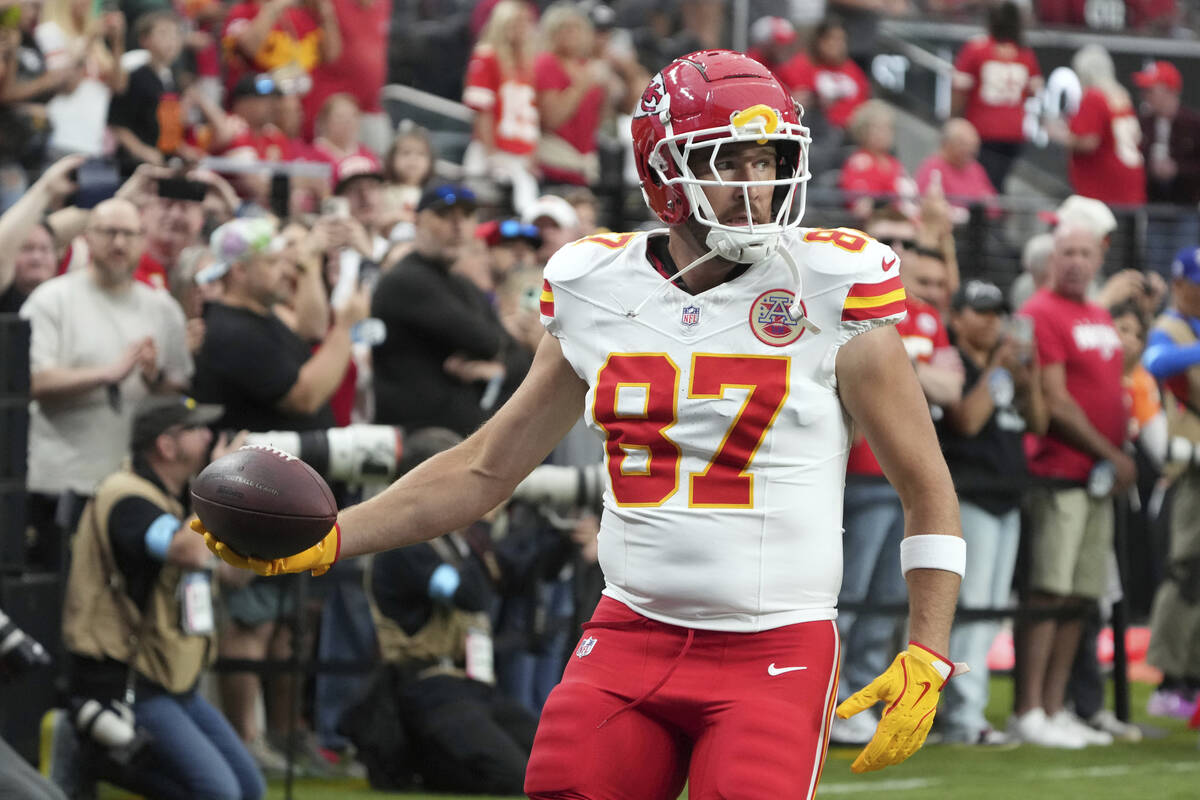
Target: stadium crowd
[[210, 200]]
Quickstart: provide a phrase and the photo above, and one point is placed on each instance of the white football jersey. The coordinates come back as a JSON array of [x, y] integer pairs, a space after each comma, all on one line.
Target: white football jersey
[[725, 440]]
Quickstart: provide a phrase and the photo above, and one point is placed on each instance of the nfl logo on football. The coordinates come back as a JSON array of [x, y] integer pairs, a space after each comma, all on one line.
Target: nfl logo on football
[[585, 647], [691, 316]]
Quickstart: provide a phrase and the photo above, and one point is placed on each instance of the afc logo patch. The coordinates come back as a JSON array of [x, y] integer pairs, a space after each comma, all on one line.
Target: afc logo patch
[[585, 647], [690, 317], [770, 320]]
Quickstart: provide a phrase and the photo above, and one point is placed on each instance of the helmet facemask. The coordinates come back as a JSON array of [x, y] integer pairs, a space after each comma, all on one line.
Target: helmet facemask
[[759, 124]]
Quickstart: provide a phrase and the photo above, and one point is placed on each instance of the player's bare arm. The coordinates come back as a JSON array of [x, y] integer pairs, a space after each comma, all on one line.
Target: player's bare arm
[[459, 486], [453, 489], [880, 390]]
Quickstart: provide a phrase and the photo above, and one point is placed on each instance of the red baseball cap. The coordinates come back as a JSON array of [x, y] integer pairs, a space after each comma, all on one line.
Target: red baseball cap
[[1159, 72], [359, 165]]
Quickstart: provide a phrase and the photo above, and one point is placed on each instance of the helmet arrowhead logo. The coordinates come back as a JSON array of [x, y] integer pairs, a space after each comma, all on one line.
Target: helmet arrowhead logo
[[654, 98]]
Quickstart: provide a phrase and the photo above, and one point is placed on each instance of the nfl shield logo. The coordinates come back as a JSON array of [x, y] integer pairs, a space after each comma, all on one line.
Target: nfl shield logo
[[691, 315], [585, 647]]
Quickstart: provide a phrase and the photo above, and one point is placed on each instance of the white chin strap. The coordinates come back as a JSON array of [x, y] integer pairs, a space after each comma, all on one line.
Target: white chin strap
[[742, 248]]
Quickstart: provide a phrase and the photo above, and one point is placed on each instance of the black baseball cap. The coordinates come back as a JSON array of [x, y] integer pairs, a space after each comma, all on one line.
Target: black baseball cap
[[448, 195], [158, 413], [979, 296], [261, 85]]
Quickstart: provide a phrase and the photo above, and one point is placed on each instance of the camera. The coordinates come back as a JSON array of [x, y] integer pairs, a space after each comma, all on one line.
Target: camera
[[563, 487], [96, 180], [352, 454], [19, 652], [112, 726]]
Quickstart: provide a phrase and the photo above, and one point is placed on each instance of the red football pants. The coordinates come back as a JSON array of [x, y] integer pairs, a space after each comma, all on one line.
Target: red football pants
[[644, 706]]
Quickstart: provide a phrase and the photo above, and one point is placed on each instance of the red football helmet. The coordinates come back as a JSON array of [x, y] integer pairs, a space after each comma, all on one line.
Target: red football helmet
[[709, 99]]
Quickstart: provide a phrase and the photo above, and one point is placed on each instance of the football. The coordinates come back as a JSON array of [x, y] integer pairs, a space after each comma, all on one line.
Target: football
[[263, 502]]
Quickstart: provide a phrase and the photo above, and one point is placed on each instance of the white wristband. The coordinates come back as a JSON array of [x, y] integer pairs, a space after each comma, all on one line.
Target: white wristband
[[933, 551]]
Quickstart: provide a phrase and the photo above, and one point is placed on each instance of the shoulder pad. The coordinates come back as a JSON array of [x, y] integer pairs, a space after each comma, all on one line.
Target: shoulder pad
[[587, 255]]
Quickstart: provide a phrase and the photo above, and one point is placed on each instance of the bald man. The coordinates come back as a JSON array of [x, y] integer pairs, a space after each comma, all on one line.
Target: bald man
[[956, 165], [1071, 511], [99, 343]]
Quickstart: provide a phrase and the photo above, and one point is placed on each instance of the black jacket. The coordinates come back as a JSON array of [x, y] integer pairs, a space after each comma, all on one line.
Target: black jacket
[[1184, 147], [431, 314]]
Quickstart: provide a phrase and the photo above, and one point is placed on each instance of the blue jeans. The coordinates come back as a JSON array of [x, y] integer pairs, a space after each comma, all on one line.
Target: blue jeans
[[991, 557], [348, 633], [195, 752], [527, 676], [874, 525]]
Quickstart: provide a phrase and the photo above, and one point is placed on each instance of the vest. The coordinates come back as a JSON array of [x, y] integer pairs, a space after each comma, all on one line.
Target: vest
[[439, 647], [1182, 419], [100, 619]]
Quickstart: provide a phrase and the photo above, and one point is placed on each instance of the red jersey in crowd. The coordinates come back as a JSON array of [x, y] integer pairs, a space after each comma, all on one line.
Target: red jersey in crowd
[[997, 77], [1080, 337], [960, 185], [266, 144], [510, 99], [294, 40], [923, 334], [1114, 171], [580, 128], [839, 90], [361, 69], [867, 174]]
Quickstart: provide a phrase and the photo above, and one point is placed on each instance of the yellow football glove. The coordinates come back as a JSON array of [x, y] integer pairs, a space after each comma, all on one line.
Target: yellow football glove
[[318, 558], [911, 687]]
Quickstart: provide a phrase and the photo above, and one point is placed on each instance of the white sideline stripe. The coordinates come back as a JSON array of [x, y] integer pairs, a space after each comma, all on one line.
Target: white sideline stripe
[[877, 786], [1107, 771]]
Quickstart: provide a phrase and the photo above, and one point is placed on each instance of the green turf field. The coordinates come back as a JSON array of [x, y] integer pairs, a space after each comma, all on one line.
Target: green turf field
[[1164, 766]]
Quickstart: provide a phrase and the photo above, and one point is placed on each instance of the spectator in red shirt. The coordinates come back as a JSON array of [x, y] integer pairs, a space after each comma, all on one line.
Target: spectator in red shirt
[[772, 43], [963, 178], [826, 78], [872, 171], [1072, 521], [337, 131], [571, 97], [256, 102], [501, 92], [1103, 138], [993, 75], [281, 37], [830, 86], [360, 70]]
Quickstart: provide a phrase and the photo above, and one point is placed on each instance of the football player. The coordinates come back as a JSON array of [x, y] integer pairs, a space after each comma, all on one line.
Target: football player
[[723, 360]]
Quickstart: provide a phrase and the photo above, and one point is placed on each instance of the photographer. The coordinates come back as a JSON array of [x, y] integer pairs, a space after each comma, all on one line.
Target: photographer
[[430, 604], [19, 654], [138, 619]]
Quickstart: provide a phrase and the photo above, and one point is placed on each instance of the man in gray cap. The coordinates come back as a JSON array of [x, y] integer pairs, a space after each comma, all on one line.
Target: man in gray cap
[[138, 622]]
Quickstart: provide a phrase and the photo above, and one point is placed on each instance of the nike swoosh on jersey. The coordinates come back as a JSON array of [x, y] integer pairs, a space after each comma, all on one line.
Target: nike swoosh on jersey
[[889, 264], [774, 670]]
